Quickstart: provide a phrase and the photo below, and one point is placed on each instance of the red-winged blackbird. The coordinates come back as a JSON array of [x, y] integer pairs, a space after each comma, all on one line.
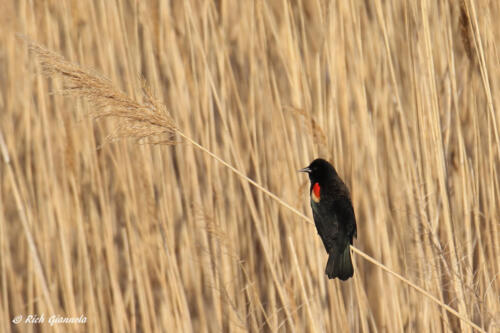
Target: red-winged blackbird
[[334, 217]]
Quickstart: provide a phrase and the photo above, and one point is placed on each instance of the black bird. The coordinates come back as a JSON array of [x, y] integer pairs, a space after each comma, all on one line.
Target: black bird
[[334, 217]]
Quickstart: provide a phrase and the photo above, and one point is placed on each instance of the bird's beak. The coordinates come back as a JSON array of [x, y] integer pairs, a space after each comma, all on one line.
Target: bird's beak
[[306, 170]]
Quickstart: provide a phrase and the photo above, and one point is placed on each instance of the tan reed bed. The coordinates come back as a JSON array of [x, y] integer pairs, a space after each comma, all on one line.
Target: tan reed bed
[[155, 238]]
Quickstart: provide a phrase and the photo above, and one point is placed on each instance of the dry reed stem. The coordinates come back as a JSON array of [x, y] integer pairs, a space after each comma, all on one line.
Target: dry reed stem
[[465, 31], [24, 215], [150, 119]]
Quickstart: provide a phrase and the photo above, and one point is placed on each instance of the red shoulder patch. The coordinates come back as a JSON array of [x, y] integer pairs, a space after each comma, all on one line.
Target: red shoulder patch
[[316, 190]]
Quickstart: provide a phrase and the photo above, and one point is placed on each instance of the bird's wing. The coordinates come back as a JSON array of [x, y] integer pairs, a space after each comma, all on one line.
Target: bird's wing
[[328, 228], [345, 215]]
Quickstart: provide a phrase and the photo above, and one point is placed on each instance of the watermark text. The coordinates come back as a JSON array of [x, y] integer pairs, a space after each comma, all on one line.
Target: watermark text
[[38, 319]]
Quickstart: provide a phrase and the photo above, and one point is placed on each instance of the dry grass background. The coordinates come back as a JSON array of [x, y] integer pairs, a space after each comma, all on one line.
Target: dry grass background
[[399, 95]]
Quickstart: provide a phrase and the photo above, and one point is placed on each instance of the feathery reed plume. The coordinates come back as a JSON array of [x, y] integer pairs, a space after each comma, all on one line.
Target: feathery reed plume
[[147, 120], [312, 125]]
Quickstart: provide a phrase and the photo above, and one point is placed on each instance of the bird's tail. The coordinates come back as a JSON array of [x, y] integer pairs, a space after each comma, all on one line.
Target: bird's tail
[[340, 265]]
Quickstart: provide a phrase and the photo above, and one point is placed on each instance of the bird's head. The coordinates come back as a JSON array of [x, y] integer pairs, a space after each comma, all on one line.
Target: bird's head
[[319, 171]]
